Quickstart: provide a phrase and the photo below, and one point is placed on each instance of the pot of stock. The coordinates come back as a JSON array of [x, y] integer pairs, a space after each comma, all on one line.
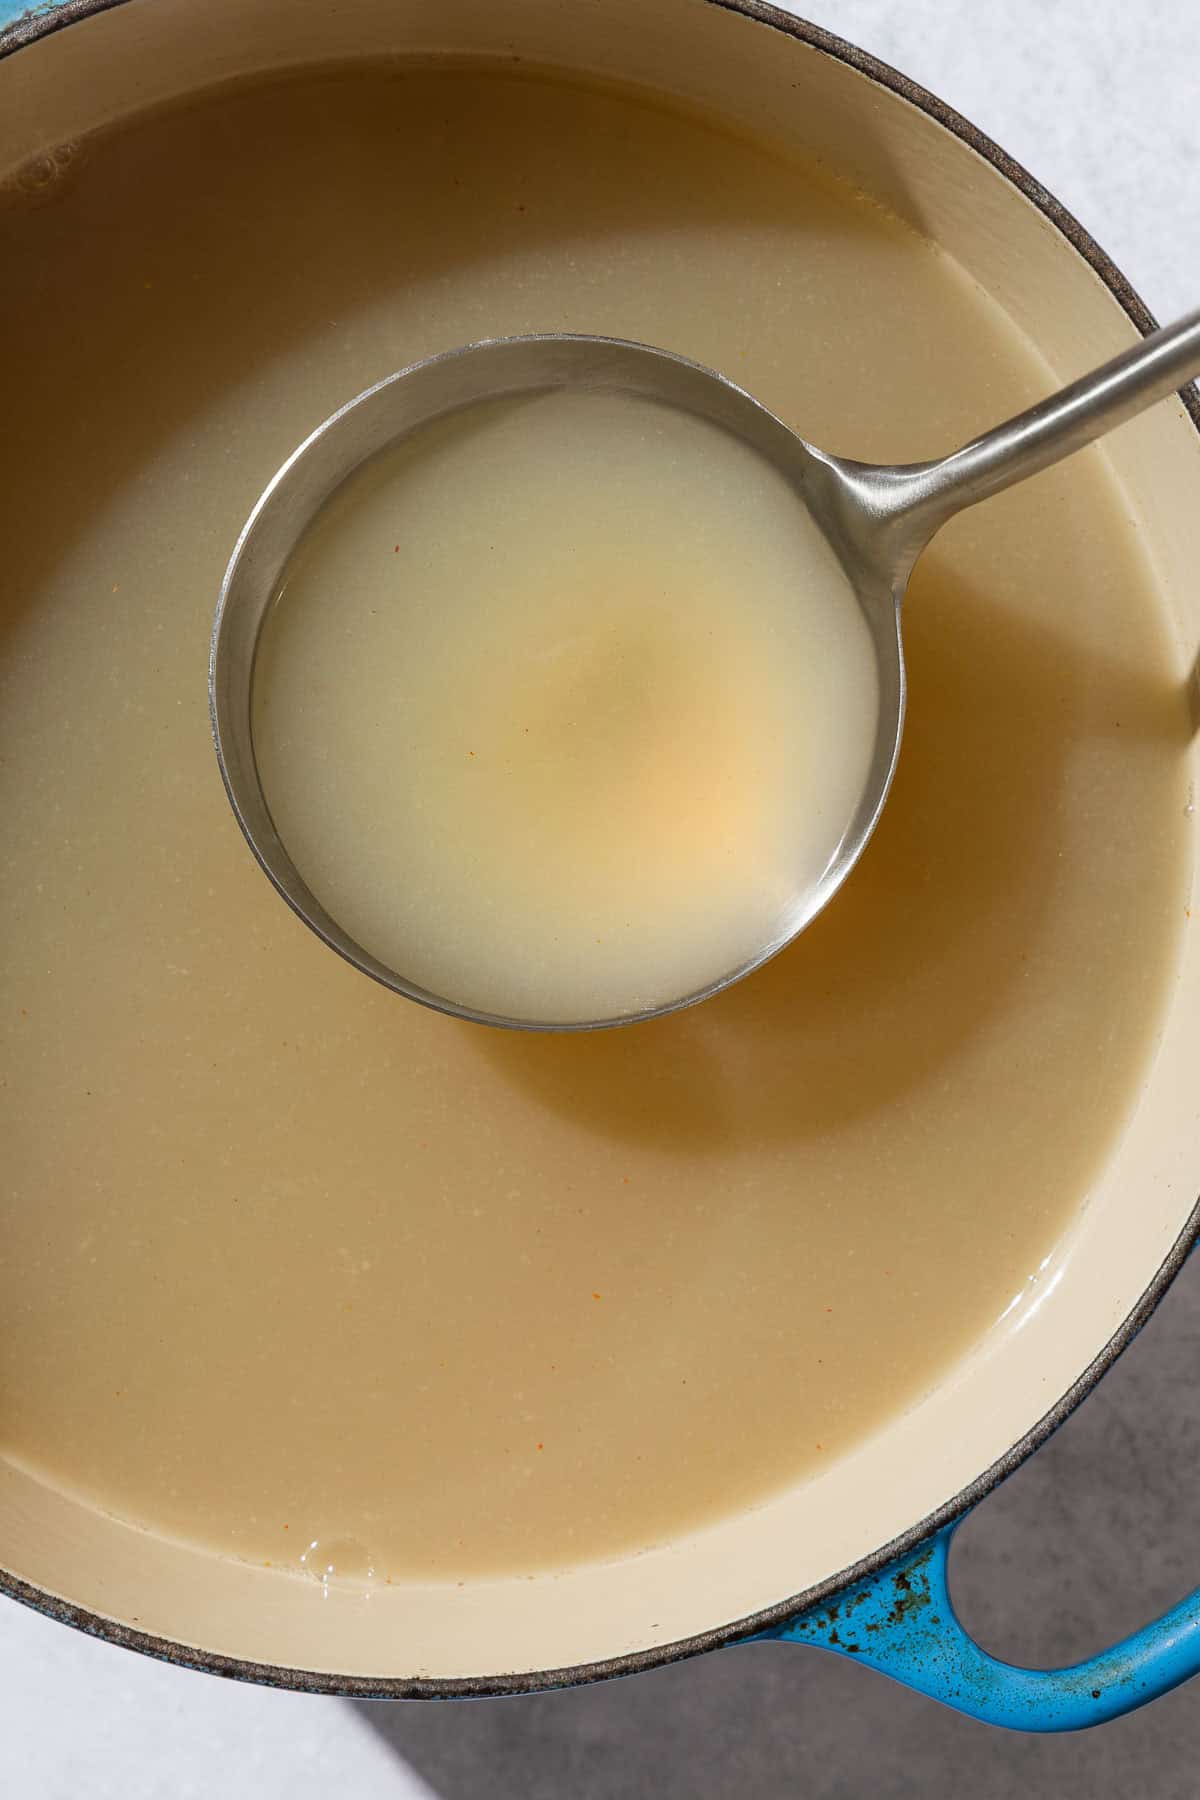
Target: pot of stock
[[854, 1561]]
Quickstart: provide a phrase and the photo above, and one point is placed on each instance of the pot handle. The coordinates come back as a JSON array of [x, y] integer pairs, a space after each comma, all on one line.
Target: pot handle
[[902, 1622]]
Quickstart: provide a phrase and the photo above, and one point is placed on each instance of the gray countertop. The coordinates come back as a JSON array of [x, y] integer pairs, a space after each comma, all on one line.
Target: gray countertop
[[1102, 100]]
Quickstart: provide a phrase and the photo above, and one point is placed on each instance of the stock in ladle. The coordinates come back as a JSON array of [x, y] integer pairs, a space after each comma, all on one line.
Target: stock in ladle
[[877, 520]]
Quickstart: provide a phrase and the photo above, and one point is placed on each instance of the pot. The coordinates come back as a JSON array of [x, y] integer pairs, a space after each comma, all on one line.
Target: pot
[[856, 1559]]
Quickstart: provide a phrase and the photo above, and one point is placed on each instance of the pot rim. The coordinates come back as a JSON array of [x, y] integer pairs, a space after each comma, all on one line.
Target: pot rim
[[29, 29]]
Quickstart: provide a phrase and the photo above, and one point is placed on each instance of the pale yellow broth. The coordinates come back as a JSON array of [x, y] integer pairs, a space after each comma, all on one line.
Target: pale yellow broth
[[286, 1258], [564, 706]]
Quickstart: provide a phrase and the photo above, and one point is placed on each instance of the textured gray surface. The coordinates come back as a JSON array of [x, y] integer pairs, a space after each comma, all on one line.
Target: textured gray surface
[[1099, 98]]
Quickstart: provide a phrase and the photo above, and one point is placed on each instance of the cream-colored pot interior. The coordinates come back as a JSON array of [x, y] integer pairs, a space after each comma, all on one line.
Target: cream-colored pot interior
[[146, 50]]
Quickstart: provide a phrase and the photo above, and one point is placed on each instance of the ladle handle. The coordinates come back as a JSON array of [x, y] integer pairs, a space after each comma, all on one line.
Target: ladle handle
[[925, 495]]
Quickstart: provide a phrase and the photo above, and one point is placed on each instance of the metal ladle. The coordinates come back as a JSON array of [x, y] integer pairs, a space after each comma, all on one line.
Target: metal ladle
[[878, 520]]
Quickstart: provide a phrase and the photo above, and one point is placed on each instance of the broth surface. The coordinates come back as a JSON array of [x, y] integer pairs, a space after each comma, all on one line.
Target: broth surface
[[287, 1259], [564, 706]]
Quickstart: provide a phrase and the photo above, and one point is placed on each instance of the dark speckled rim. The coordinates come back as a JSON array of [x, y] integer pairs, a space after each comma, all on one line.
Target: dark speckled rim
[[28, 30]]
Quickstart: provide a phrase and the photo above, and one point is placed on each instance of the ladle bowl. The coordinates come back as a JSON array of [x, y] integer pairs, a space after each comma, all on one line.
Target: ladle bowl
[[877, 518]]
